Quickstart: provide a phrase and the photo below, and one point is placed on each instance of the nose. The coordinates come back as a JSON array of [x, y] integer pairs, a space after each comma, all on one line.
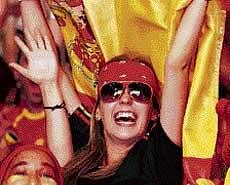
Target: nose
[[125, 97]]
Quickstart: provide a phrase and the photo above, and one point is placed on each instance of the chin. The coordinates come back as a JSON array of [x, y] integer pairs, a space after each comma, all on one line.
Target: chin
[[128, 136]]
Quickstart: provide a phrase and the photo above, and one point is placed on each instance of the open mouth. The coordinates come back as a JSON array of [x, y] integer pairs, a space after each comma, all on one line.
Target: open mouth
[[125, 116]]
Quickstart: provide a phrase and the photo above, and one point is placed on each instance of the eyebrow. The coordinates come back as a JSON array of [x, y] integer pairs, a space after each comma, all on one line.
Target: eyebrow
[[49, 165], [21, 163]]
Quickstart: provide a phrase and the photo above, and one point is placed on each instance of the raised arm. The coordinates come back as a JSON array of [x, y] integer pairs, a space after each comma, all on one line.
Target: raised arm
[[175, 90], [55, 92], [43, 69], [34, 16]]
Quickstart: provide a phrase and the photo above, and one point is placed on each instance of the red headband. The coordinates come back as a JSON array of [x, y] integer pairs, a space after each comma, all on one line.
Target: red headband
[[128, 70]]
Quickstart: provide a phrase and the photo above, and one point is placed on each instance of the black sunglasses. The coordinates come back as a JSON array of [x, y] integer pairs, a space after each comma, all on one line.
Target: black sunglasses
[[138, 91]]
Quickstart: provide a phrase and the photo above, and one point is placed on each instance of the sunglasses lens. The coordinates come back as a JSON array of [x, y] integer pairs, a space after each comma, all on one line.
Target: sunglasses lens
[[140, 92], [110, 92]]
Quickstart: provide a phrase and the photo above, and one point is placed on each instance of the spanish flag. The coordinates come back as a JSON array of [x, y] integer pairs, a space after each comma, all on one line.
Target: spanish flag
[[96, 31]]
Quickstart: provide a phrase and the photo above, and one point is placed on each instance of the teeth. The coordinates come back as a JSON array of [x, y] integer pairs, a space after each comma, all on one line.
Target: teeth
[[125, 116]]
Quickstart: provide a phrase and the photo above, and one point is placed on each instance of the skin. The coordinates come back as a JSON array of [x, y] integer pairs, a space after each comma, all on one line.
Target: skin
[[120, 136], [43, 70], [33, 167], [124, 132]]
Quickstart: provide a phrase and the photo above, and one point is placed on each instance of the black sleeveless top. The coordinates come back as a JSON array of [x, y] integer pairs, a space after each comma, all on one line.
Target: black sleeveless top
[[156, 161]]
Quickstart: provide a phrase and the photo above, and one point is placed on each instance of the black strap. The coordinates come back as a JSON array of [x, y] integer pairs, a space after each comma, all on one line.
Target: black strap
[[58, 106]]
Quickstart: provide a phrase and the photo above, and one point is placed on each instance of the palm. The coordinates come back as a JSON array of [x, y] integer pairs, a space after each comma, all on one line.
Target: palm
[[42, 65], [42, 61]]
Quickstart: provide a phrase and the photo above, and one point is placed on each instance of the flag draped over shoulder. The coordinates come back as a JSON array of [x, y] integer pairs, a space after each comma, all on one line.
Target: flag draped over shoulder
[[96, 31]]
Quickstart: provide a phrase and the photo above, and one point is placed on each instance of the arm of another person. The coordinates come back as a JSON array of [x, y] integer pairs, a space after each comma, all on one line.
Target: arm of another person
[[175, 90], [33, 18], [59, 135], [43, 69]]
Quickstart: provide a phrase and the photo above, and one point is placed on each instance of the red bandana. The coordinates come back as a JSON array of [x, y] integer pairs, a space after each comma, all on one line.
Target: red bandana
[[128, 70]]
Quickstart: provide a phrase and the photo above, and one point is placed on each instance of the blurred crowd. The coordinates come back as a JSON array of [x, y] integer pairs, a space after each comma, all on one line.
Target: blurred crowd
[[23, 137]]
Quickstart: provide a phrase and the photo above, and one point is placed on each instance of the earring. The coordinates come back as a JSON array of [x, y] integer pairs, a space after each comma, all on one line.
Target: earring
[[152, 123]]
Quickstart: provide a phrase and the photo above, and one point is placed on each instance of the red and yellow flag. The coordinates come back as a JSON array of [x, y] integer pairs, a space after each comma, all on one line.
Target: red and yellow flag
[[96, 31]]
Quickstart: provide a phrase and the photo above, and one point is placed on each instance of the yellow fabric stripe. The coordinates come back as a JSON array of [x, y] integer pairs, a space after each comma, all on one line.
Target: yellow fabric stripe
[[200, 123], [17, 119], [145, 27], [29, 115], [227, 178], [203, 181], [33, 116]]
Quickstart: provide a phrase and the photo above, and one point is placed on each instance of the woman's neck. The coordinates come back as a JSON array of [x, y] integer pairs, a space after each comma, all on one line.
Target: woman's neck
[[116, 151]]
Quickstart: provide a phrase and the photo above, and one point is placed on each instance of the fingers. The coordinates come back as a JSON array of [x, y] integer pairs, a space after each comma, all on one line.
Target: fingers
[[30, 39], [43, 41], [40, 42], [34, 43], [21, 70], [21, 45], [47, 43]]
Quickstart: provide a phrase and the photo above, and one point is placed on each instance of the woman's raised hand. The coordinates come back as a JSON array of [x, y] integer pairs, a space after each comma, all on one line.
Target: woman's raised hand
[[42, 65]]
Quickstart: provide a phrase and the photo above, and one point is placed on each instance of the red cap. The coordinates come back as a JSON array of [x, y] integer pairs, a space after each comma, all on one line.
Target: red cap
[[129, 70]]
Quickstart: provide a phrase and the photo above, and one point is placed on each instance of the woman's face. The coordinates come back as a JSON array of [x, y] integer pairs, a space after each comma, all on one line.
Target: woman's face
[[31, 168], [125, 119]]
